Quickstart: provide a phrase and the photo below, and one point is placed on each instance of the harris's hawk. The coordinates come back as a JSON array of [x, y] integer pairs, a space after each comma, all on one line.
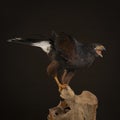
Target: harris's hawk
[[66, 55]]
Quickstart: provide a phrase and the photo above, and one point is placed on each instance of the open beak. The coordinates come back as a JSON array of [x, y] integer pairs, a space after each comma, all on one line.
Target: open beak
[[99, 50]]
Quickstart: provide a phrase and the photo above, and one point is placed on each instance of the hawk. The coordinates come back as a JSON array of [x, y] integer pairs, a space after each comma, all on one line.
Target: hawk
[[66, 54]]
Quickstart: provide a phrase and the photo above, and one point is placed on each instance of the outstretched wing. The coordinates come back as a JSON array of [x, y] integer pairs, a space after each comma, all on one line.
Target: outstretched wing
[[66, 46]]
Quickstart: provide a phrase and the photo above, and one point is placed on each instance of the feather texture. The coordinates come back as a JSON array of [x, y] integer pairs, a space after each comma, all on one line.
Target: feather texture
[[66, 53]]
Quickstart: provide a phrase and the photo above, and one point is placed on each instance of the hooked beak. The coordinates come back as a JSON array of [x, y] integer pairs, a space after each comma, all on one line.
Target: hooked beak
[[99, 50]]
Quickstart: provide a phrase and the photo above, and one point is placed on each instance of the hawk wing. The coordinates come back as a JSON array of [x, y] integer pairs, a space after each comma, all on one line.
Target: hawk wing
[[66, 46]]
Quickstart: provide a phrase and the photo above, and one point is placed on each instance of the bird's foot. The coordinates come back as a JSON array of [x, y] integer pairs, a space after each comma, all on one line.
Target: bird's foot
[[62, 86]]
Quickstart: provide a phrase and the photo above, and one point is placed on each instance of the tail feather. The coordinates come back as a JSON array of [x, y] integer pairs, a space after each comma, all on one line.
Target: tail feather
[[26, 40], [14, 39], [44, 42], [44, 45]]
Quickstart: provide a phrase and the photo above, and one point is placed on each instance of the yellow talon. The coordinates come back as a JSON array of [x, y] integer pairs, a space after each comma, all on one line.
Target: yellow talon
[[62, 86]]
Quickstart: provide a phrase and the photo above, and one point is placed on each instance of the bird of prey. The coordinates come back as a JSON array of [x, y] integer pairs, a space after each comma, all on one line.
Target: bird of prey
[[66, 55]]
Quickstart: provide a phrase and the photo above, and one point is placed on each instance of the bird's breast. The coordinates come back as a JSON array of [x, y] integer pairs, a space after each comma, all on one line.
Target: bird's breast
[[79, 62]]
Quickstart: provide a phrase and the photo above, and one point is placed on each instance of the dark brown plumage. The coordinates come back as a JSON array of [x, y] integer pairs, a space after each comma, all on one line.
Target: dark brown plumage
[[67, 55]]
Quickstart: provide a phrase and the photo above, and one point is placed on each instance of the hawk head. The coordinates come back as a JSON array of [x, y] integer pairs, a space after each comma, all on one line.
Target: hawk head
[[98, 49]]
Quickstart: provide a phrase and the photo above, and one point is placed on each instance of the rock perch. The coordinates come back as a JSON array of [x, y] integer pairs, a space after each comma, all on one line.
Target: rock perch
[[74, 107]]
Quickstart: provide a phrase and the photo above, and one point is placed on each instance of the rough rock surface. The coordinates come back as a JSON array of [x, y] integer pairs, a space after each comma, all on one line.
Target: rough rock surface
[[74, 107]]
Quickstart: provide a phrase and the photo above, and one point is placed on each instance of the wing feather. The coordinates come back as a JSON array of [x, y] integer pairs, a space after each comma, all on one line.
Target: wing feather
[[66, 45]]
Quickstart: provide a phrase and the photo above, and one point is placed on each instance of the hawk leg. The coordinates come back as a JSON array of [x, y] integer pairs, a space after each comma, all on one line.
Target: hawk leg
[[67, 76], [64, 75]]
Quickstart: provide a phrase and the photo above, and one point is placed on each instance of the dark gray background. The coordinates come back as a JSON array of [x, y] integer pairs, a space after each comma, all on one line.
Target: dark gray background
[[27, 91]]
